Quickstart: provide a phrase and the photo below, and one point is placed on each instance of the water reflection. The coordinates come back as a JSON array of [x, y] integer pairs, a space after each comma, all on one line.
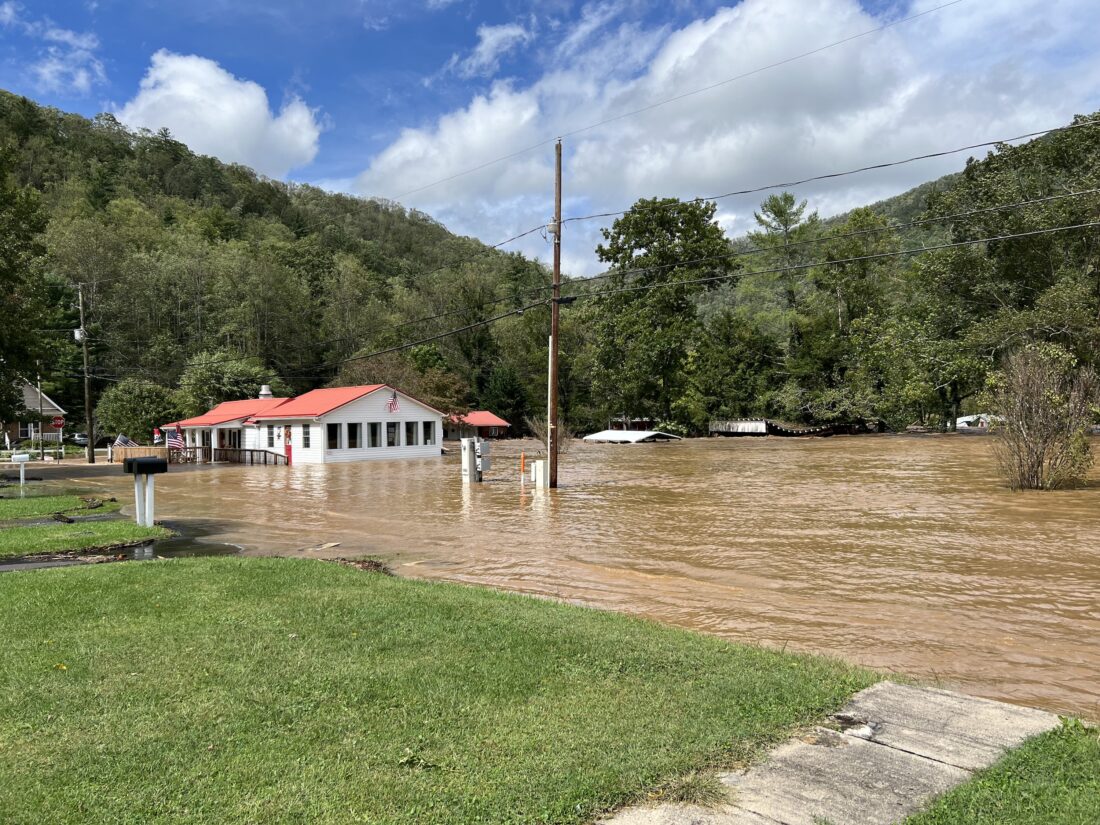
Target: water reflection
[[901, 553]]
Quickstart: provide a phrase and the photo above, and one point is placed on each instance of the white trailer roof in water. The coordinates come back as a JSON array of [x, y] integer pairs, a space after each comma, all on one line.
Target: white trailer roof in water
[[629, 436]]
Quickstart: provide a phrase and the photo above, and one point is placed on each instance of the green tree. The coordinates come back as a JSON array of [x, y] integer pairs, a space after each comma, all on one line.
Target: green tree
[[134, 407], [504, 395], [644, 327], [21, 287], [213, 377]]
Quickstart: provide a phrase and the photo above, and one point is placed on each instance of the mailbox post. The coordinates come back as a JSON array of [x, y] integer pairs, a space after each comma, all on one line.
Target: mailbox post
[[21, 459], [143, 470]]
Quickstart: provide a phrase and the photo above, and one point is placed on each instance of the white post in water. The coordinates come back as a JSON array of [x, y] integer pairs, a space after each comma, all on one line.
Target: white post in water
[[471, 460]]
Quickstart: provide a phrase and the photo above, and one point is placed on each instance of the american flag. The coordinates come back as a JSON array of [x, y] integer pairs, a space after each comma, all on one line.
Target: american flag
[[393, 405], [175, 439], [123, 441]]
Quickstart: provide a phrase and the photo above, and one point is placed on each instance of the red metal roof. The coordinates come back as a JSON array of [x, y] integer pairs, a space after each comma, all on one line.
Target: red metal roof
[[230, 411], [318, 402], [482, 418]]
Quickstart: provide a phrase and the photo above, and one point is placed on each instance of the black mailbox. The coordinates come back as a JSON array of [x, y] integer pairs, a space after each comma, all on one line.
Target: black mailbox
[[146, 466]]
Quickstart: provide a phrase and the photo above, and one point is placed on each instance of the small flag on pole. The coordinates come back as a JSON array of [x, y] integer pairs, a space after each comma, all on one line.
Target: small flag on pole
[[175, 439], [393, 405], [123, 441]]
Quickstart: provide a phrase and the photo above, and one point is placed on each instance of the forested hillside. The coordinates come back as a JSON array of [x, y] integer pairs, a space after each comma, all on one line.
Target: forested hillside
[[188, 260], [203, 280]]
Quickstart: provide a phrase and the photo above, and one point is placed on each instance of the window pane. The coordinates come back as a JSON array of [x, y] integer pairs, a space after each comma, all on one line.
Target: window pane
[[429, 432], [270, 435], [305, 436], [410, 433], [375, 434], [333, 436], [355, 436], [391, 434]]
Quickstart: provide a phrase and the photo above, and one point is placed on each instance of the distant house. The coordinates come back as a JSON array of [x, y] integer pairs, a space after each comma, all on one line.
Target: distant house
[[27, 426], [325, 426], [476, 424]]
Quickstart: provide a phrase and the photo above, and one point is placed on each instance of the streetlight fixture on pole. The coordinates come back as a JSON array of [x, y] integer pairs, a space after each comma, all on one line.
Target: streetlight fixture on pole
[[81, 335]]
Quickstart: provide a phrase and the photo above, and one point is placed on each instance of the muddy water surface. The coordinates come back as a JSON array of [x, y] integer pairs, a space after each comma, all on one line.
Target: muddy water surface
[[896, 552]]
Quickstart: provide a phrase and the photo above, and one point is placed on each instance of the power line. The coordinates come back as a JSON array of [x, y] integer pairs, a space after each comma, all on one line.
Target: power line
[[794, 267], [428, 340], [675, 98], [832, 175], [893, 227], [647, 287]]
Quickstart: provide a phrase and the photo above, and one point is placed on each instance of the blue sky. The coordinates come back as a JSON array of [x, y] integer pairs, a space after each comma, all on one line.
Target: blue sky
[[380, 97]]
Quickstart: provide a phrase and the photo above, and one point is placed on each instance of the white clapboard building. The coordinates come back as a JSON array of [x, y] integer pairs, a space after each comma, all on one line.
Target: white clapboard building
[[322, 426]]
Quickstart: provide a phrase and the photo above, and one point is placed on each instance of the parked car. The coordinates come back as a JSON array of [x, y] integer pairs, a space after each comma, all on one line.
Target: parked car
[[79, 439]]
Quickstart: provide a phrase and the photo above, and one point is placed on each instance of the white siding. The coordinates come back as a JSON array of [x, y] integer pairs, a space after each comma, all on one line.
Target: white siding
[[363, 411]]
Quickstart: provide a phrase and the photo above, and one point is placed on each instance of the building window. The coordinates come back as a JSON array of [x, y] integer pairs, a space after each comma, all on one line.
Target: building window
[[391, 434], [24, 430], [305, 436], [355, 436], [270, 436], [429, 433], [374, 431], [333, 436], [410, 434]]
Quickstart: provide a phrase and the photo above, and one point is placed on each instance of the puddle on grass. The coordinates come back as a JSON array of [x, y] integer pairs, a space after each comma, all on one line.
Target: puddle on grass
[[170, 548]]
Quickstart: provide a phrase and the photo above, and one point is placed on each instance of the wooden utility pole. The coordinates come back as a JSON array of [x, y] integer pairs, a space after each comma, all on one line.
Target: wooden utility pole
[[89, 450], [555, 309]]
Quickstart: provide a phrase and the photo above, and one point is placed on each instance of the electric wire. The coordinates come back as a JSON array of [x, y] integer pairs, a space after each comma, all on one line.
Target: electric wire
[[651, 106], [832, 175]]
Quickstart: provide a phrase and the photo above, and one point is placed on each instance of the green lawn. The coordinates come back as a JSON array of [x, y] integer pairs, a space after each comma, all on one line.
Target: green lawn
[[275, 690], [1052, 780], [32, 506], [81, 535]]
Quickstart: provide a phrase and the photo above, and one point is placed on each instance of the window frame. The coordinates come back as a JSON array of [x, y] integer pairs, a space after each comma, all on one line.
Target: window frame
[[332, 427], [374, 434], [391, 426], [355, 427], [305, 436], [428, 433], [411, 429], [271, 436]]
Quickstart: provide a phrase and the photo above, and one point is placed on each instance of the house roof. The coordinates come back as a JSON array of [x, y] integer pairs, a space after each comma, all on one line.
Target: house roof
[[230, 411], [30, 400], [630, 436], [481, 418], [318, 402]]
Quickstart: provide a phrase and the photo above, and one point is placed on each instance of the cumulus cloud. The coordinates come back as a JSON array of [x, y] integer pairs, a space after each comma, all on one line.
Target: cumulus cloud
[[218, 114], [493, 43], [922, 86]]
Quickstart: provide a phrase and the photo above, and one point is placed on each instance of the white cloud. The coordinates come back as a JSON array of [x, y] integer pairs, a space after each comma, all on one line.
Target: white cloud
[[493, 43], [65, 60], [218, 114], [921, 86]]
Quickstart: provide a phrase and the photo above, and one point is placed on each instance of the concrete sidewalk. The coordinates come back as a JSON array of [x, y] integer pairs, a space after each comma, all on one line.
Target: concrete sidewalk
[[894, 748]]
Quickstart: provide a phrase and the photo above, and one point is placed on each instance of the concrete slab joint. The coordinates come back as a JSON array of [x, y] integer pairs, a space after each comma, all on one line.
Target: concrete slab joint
[[885, 755]]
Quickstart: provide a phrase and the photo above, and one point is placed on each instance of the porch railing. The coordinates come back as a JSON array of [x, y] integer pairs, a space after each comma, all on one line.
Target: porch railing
[[238, 455]]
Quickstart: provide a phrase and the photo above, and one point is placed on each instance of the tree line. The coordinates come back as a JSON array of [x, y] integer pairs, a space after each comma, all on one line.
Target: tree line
[[203, 280]]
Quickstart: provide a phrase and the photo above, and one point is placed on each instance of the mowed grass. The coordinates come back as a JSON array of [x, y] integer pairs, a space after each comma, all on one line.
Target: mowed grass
[[79, 536], [33, 506], [1052, 780], [276, 690]]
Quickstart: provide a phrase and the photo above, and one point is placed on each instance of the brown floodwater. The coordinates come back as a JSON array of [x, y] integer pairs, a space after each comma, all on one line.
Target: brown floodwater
[[902, 553]]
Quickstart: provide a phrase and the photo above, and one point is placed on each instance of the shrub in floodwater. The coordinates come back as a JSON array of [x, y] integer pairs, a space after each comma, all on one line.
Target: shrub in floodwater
[[1047, 404]]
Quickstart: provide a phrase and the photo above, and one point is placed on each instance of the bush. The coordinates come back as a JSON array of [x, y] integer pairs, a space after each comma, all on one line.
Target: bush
[[1047, 404]]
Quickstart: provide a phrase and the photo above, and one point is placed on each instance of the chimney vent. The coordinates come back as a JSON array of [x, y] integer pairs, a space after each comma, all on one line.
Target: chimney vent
[[265, 391]]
